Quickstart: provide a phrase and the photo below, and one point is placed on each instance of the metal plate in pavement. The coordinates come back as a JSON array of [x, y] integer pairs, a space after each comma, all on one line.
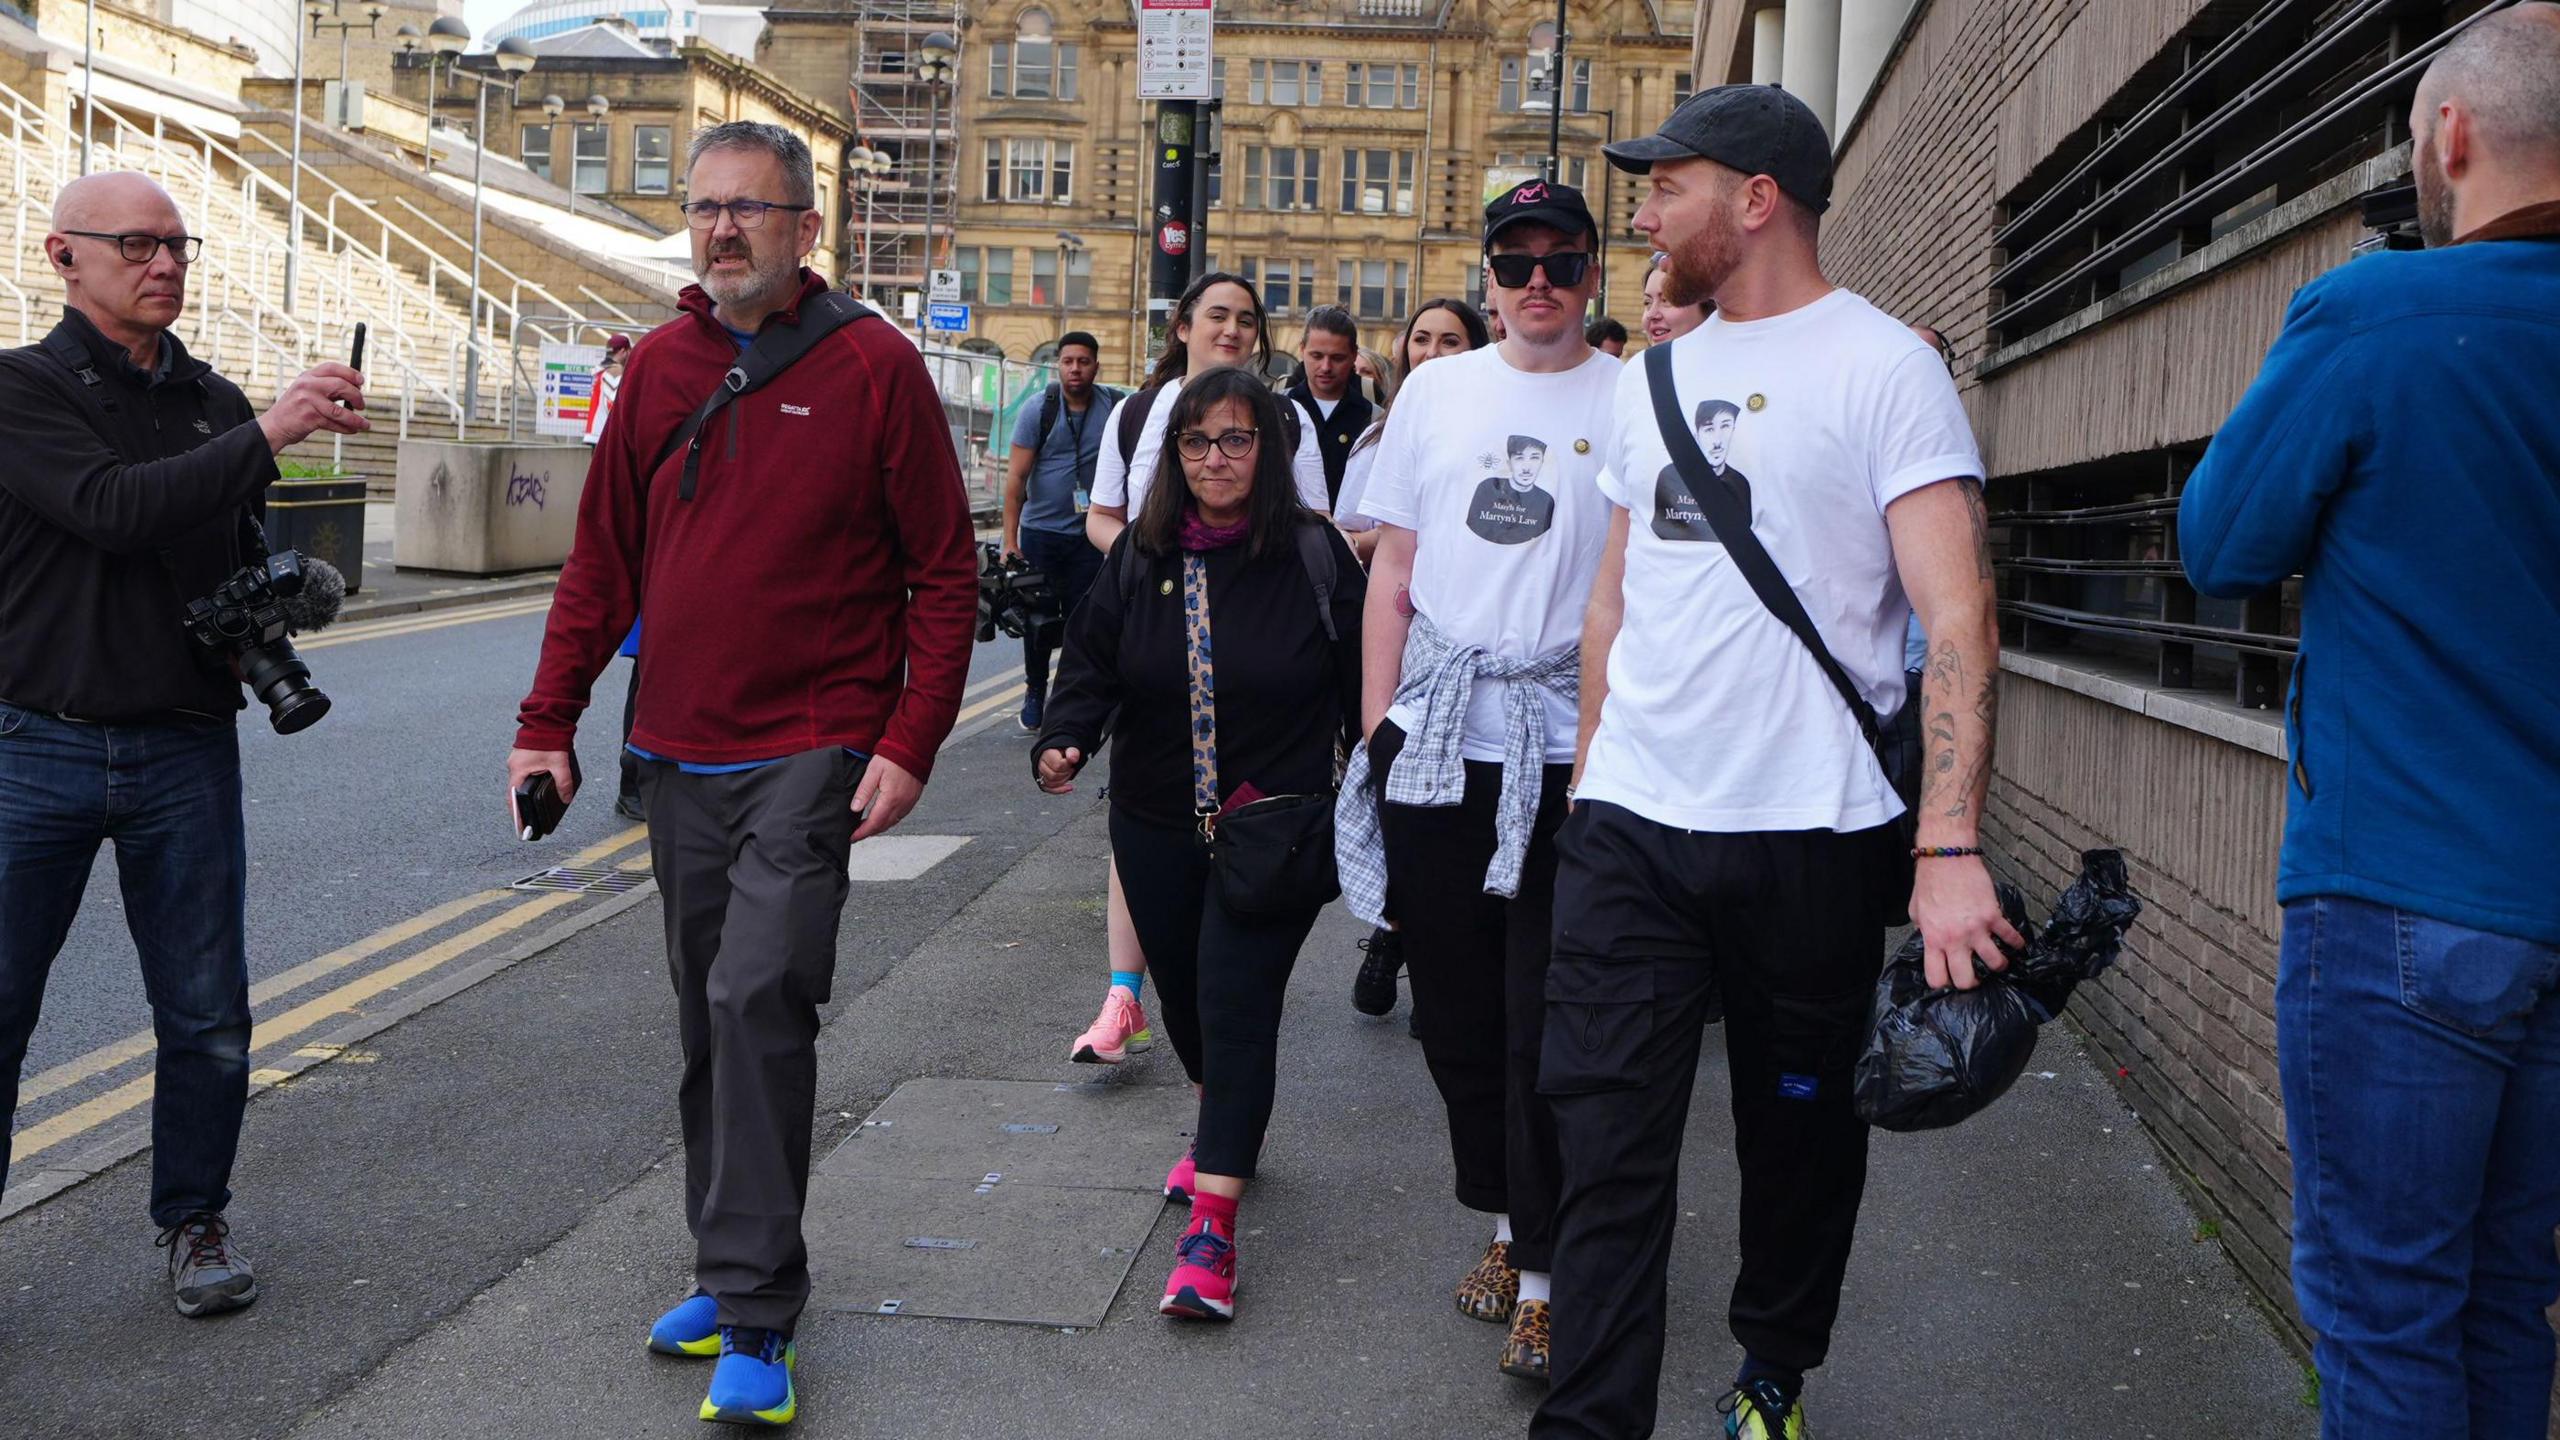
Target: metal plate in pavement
[[1030, 1132], [1019, 1254]]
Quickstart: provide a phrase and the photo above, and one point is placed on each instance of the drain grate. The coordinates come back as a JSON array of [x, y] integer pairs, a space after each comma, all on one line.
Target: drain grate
[[584, 880]]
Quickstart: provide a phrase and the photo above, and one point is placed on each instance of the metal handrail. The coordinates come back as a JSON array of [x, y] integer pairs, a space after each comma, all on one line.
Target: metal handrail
[[26, 311]]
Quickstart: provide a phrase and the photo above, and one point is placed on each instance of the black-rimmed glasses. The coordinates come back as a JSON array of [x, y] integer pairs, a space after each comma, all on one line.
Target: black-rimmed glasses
[[137, 247], [1565, 268], [1194, 444], [704, 214]]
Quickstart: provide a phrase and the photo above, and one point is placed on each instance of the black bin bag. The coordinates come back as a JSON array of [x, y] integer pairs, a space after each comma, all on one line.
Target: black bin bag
[[1935, 1057]]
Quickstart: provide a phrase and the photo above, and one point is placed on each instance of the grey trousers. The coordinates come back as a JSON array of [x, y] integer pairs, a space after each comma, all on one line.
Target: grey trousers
[[751, 872]]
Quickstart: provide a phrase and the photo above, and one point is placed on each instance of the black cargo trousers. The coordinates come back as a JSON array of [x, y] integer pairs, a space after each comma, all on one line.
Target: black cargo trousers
[[751, 876], [1650, 921]]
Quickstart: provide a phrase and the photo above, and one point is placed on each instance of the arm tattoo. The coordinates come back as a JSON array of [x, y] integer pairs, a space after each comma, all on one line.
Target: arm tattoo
[[1980, 516], [1955, 775]]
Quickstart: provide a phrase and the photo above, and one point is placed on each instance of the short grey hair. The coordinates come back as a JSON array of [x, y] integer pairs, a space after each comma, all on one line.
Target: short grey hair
[[799, 171], [2505, 69]]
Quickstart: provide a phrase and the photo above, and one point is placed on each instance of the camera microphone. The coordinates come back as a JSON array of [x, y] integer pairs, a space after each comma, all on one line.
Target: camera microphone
[[324, 588]]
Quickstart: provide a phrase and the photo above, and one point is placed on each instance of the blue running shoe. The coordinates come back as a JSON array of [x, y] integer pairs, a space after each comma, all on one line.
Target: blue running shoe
[[692, 1329], [752, 1384]]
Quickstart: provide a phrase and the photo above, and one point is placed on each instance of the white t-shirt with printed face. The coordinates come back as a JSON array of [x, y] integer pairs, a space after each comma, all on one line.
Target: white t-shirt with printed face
[[1496, 471], [1124, 483], [1717, 717]]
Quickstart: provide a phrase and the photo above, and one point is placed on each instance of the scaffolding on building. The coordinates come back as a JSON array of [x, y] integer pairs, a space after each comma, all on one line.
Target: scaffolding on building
[[906, 219]]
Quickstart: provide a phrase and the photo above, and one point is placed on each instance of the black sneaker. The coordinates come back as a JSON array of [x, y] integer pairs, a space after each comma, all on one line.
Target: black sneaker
[[1373, 991]]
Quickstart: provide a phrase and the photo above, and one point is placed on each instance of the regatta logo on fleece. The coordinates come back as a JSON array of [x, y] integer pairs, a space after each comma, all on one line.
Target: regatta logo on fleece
[[795, 409]]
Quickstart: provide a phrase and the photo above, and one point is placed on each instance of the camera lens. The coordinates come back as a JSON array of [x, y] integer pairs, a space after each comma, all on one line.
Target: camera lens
[[277, 676]]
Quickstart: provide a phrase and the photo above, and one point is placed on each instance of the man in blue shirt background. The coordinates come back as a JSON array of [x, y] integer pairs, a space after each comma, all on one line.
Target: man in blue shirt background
[[1047, 483], [2401, 450]]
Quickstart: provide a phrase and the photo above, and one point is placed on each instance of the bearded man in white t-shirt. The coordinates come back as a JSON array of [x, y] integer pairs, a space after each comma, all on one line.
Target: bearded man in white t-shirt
[[1486, 496], [1733, 829]]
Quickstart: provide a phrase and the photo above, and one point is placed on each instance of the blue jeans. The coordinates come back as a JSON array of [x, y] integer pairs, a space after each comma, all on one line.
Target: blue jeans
[[2421, 1065], [168, 795]]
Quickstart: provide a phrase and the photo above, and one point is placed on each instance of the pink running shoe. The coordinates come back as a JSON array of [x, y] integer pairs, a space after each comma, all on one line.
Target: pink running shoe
[[1178, 1180], [1203, 1283], [1119, 1032]]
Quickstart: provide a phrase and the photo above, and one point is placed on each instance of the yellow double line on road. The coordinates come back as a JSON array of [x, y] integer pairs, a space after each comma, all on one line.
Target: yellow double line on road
[[90, 1114]]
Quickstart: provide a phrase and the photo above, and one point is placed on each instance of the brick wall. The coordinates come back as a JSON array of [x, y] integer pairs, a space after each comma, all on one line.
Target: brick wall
[[2188, 1014]]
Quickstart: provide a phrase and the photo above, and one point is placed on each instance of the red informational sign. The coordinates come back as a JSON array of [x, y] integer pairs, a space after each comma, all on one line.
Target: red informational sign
[[1175, 238]]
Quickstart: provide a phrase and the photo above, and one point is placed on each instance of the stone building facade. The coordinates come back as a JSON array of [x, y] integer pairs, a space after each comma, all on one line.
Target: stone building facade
[[1357, 140], [633, 157]]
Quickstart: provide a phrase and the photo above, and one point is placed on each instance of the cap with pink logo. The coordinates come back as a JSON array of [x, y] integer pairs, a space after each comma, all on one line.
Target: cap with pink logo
[[1539, 202]]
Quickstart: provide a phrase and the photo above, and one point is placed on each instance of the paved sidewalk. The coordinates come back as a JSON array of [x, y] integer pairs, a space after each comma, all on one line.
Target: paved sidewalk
[[2031, 1274]]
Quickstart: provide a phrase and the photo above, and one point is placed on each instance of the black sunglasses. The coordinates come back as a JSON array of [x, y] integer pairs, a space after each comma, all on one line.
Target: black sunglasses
[[1565, 268], [137, 246]]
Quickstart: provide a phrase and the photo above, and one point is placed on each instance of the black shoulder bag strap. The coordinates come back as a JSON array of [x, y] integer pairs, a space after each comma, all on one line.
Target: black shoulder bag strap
[[777, 348], [1732, 524]]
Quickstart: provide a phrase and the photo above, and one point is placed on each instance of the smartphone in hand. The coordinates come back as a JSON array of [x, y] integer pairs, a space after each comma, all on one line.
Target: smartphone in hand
[[537, 807]]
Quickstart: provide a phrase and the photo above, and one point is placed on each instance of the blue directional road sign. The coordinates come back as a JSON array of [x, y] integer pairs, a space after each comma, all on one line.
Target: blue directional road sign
[[939, 316]]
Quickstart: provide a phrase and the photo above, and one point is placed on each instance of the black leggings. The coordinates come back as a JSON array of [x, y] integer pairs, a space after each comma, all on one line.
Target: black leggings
[[1224, 1015]]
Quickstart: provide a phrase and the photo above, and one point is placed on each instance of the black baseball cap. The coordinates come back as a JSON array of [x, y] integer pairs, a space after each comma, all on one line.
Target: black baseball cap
[[1541, 202], [1756, 129]]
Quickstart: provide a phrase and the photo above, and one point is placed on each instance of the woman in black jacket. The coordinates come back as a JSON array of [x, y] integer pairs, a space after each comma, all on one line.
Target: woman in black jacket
[[1213, 570]]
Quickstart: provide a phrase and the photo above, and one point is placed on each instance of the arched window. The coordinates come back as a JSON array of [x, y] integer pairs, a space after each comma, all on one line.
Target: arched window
[[1034, 64], [1046, 353]]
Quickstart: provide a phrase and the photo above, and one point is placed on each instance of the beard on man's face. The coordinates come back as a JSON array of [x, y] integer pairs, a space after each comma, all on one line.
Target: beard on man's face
[[1701, 262], [2435, 197], [762, 280]]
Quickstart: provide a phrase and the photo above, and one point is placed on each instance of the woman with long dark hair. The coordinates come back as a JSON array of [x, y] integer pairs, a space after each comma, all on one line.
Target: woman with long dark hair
[[1217, 323], [1202, 737]]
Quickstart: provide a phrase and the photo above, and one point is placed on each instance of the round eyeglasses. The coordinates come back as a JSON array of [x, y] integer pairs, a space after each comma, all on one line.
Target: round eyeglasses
[[1235, 444]]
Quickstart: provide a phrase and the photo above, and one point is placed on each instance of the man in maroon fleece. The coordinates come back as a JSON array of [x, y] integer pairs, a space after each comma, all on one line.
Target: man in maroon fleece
[[810, 605]]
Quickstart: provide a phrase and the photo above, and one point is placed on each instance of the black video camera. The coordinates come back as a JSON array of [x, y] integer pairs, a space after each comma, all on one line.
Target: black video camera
[[247, 618], [1012, 597]]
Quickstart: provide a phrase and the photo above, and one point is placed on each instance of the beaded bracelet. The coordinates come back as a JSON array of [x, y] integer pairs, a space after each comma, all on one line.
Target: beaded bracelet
[[1942, 852]]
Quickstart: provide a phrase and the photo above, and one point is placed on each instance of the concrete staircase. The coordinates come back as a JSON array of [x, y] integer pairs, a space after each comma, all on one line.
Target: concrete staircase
[[389, 266]]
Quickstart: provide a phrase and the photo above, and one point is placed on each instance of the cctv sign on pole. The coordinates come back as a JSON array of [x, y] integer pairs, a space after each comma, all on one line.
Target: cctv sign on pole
[[1173, 49]]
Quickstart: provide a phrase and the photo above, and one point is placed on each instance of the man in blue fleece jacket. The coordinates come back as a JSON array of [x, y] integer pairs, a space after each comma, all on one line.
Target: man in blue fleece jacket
[[2401, 450]]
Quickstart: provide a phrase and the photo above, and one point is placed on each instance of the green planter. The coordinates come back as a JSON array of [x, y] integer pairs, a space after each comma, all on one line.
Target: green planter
[[322, 517]]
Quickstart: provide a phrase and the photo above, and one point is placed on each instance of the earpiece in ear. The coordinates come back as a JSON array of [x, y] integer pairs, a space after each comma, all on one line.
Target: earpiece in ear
[[65, 258]]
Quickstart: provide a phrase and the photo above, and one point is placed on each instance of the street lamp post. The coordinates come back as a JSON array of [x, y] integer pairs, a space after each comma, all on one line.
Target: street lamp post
[[89, 76], [1069, 245], [869, 168], [446, 40], [1556, 84], [936, 68], [373, 13], [552, 106]]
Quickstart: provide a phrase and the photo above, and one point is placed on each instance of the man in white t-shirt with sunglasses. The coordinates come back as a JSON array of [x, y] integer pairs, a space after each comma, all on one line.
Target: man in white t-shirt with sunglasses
[[1733, 828]]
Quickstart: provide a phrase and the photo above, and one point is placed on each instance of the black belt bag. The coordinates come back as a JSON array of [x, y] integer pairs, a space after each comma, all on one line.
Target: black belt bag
[[1274, 856]]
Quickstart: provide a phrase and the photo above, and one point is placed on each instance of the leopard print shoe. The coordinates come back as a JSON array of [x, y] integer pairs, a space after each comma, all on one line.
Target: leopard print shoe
[[1525, 1354], [1492, 1288]]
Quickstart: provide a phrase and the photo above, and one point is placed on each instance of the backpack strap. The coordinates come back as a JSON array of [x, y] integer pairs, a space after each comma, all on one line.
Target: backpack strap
[[1049, 402], [1315, 551], [1133, 418], [777, 348]]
